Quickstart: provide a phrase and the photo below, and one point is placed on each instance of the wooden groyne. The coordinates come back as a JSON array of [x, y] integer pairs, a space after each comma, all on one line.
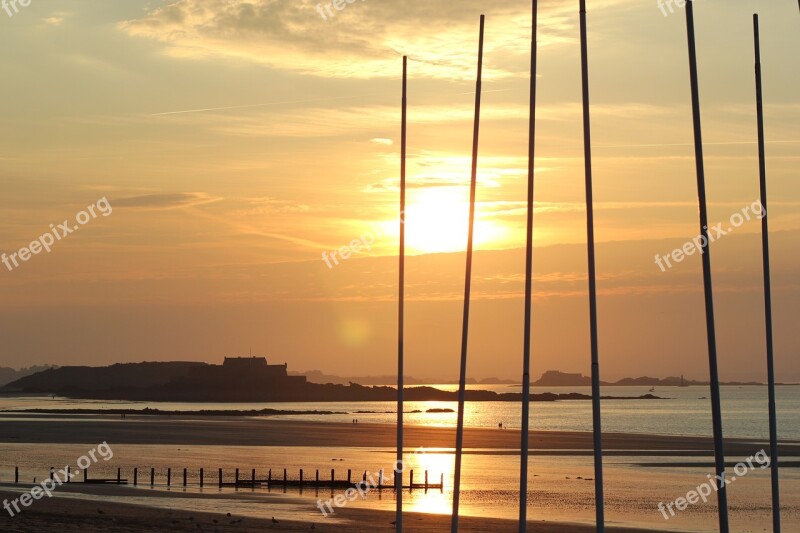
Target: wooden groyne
[[367, 480]]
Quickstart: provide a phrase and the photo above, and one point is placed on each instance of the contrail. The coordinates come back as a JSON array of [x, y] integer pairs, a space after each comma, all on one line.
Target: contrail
[[248, 106], [258, 105]]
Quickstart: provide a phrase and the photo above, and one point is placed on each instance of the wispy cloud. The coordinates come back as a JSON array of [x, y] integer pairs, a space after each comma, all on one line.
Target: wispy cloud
[[165, 200]]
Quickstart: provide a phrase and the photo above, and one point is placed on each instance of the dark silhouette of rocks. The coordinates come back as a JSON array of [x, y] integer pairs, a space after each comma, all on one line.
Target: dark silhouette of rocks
[[248, 379]]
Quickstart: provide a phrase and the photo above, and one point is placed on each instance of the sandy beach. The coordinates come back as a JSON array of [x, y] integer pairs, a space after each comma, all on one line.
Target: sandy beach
[[240, 431], [640, 471]]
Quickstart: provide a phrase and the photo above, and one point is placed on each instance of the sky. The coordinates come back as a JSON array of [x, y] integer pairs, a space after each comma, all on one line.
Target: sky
[[238, 143]]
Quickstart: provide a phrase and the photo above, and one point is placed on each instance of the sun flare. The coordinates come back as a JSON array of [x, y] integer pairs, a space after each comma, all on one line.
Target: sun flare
[[436, 221]]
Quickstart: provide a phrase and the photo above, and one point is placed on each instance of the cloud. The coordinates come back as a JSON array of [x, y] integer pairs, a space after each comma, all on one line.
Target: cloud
[[164, 200], [57, 18], [385, 142], [53, 21], [363, 41]]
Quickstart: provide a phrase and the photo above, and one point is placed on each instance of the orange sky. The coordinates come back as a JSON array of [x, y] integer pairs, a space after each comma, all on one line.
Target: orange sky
[[238, 141]]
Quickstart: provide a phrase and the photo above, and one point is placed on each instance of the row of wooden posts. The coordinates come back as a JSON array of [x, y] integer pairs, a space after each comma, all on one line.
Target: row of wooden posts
[[254, 482]]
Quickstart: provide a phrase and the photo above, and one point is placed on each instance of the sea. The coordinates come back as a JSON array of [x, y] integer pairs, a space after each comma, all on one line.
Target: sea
[[678, 411]]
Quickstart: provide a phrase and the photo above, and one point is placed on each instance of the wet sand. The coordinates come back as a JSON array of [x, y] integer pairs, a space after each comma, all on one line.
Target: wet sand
[[68, 515], [244, 431], [561, 492]]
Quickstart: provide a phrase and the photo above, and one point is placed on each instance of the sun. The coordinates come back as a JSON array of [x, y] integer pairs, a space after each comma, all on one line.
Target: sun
[[437, 219]]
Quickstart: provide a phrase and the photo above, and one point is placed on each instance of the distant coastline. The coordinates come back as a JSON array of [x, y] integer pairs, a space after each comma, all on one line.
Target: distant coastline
[[550, 378], [245, 379]]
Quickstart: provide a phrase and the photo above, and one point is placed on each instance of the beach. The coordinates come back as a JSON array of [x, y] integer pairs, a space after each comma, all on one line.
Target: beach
[[62, 514], [640, 471]]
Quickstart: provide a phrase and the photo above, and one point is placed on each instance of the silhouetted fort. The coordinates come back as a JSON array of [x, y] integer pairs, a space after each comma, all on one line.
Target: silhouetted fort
[[243, 371]]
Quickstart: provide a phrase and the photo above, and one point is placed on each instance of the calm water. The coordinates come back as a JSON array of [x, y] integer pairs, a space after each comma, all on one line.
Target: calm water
[[684, 411]]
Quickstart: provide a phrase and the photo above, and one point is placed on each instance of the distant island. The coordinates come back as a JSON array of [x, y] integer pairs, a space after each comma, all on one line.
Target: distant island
[[554, 378], [237, 379], [7, 375]]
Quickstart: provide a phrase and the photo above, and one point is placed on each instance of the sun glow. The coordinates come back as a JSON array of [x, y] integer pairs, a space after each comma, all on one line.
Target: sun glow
[[438, 463], [437, 219]]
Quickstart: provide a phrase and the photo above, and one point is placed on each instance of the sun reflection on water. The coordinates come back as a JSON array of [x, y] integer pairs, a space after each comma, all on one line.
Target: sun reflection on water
[[439, 466]]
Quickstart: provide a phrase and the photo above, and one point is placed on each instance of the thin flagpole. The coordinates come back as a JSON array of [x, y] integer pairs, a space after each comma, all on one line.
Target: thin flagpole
[[462, 382], [401, 306], [587, 148], [762, 167], [526, 349], [716, 408]]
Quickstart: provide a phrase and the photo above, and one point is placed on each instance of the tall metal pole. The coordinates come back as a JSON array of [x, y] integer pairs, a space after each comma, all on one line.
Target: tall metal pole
[[762, 167], [398, 478], [587, 149], [462, 382], [526, 348], [716, 408]]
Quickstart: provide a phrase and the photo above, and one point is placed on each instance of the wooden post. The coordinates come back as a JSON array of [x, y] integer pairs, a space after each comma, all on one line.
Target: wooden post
[[152, 476], [317, 476], [169, 477], [380, 478], [220, 478], [69, 473], [426, 480], [365, 476], [269, 477], [135, 476], [119, 476], [16, 474], [52, 472], [201, 478], [348, 476], [301, 476], [237, 477], [441, 483], [85, 474], [411, 483], [254, 477], [184, 477], [284, 476], [332, 477]]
